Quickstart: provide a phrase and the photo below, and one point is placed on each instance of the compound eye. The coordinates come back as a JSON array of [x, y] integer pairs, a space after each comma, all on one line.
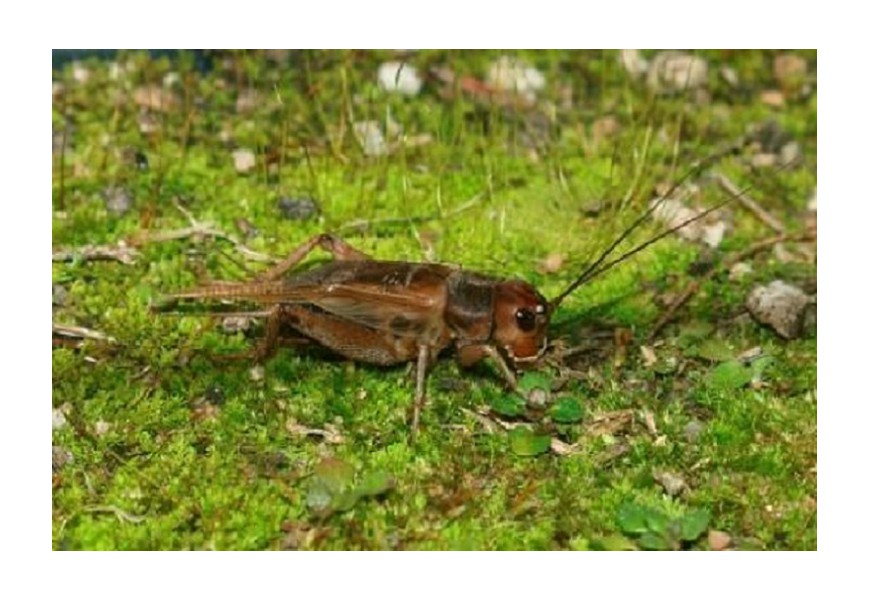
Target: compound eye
[[525, 319]]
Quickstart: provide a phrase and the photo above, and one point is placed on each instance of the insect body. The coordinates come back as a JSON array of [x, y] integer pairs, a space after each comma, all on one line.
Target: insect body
[[388, 312]]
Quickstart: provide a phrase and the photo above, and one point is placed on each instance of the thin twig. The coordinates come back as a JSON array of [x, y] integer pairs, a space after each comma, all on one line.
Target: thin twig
[[74, 331], [202, 229], [748, 203], [695, 285], [120, 252]]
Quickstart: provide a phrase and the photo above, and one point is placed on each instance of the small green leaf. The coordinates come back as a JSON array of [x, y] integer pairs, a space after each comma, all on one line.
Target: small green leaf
[[532, 380], [693, 524], [657, 522], [567, 410], [691, 332], [759, 365], [525, 443], [510, 405], [375, 483], [714, 350], [613, 542], [730, 375], [336, 475], [631, 518], [345, 500], [654, 541]]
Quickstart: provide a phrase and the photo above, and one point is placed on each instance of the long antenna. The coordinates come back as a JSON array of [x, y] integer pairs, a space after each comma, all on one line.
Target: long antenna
[[600, 266], [596, 267]]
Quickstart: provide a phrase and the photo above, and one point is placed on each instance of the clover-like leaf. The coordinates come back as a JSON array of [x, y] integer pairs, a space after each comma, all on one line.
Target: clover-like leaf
[[510, 405], [534, 380], [730, 375], [631, 518], [524, 442], [567, 410], [375, 483], [693, 524], [650, 540]]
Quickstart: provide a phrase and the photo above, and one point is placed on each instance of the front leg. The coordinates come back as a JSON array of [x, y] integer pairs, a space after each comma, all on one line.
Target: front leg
[[472, 354]]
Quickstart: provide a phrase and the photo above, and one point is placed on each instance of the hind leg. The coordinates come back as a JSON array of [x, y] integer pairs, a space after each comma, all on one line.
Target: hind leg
[[336, 246]]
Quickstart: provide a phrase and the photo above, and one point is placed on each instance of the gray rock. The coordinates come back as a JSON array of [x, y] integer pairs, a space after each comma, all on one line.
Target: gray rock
[[118, 200], [673, 484], [676, 72], [693, 430], [60, 456], [243, 160], [298, 209], [780, 305], [58, 419], [371, 138]]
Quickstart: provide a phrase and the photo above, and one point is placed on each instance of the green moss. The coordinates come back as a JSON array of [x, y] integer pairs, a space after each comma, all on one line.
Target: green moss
[[174, 448]]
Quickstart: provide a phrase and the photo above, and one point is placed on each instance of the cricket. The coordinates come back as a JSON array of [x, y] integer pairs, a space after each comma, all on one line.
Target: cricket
[[386, 312]]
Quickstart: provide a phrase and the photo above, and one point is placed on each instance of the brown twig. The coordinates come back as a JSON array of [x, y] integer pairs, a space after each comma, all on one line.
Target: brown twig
[[120, 252], [748, 203], [695, 285]]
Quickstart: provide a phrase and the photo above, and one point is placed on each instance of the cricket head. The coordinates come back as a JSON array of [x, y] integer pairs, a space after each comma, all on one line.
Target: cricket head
[[521, 318]]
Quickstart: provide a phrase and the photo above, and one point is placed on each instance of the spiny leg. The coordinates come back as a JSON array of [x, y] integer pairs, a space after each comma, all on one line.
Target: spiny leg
[[420, 394], [336, 246]]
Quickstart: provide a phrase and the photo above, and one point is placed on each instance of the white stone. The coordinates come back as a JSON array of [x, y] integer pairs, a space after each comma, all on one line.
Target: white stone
[[399, 77]]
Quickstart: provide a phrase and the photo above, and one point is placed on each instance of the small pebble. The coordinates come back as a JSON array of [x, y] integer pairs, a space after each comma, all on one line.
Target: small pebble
[[60, 456], [246, 228], [774, 98], [58, 295], [80, 73], [633, 63], [779, 305], [718, 540], [510, 74], [676, 72], [154, 97], [790, 153], [730, 76], [214, 395], [58, 419], [247, 101], [236, 324], [118, 200], [673, 484], [789, 70], [298, 209], [257, 373], [147, 122], [399, 77], [693, 430], [371, 138], [101, 428], [740, 270], [141, 160], [243, 160], [538, 398]]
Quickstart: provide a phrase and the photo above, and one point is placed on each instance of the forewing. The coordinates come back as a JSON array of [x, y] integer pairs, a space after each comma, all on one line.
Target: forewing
[[402, 298]]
